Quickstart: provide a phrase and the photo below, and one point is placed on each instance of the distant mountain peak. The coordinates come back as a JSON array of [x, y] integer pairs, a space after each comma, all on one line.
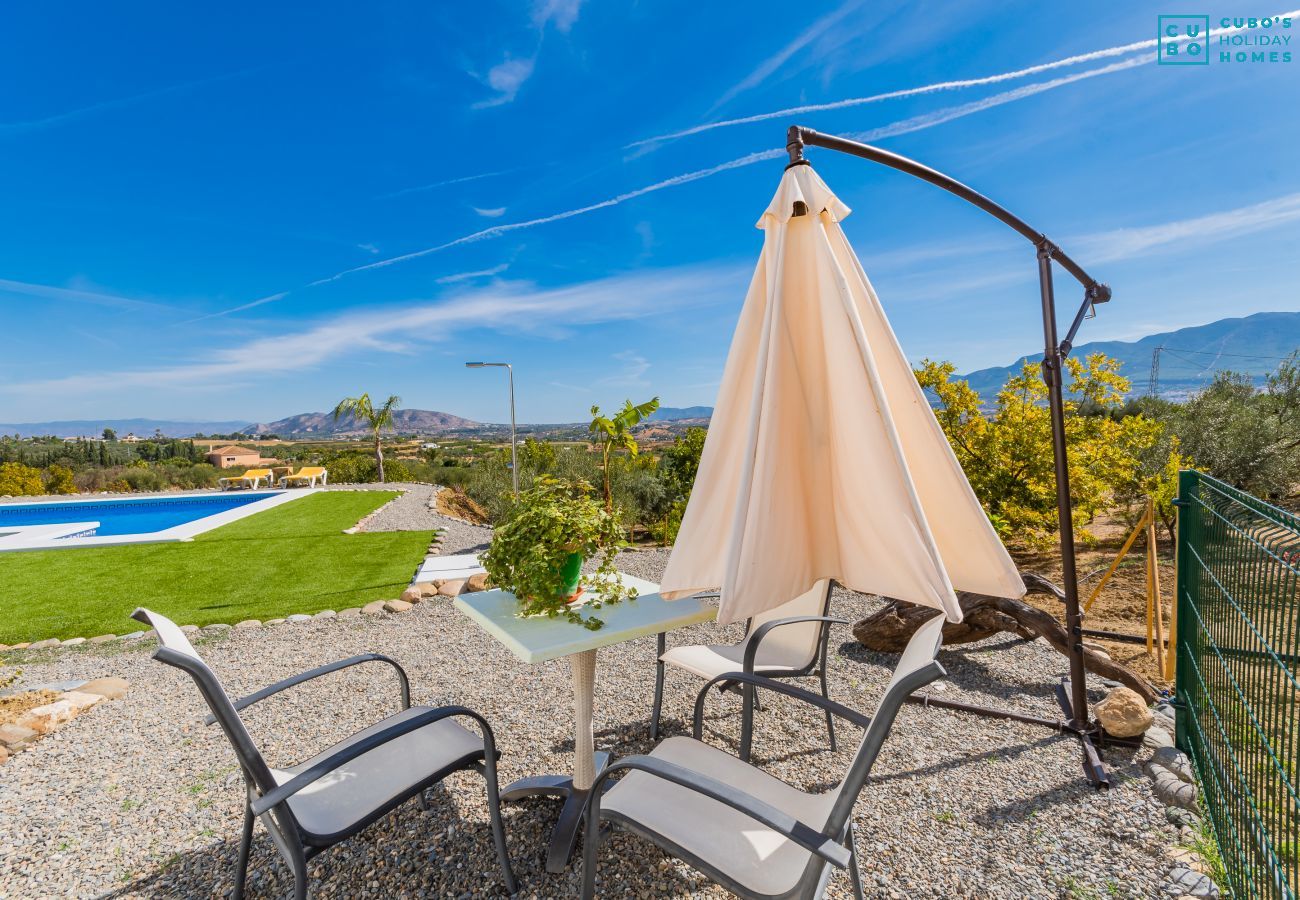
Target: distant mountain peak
[[405, 421], [1188, 357]]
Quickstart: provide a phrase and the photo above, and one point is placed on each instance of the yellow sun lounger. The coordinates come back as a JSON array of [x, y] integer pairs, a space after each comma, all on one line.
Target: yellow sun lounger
[[307, 475], [249, 479]]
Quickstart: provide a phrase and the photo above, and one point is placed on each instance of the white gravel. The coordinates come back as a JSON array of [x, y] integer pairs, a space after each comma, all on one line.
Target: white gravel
[[137, 799]]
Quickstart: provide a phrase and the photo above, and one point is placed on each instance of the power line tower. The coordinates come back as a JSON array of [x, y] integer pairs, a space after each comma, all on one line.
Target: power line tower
[[1153, 386]]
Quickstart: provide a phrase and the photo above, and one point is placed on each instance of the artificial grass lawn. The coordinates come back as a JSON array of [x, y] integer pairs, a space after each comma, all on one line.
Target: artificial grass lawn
[[290, 559]]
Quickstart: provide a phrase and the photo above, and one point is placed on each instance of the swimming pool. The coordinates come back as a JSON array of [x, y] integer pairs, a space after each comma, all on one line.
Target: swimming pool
[[81, 523]]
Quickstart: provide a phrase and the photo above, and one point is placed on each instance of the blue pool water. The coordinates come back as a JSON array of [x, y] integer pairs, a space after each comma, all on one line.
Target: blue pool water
[[130, 516]]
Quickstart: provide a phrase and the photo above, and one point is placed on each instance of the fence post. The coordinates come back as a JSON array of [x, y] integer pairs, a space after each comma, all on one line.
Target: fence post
[[1186, 523]]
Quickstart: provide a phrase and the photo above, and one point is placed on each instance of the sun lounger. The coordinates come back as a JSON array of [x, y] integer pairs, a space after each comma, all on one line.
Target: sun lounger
[[307, 475], [249, 479]]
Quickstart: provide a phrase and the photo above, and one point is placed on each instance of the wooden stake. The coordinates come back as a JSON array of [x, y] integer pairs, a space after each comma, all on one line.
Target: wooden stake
[[1150, 611], [1137, 529], [1153, 550]]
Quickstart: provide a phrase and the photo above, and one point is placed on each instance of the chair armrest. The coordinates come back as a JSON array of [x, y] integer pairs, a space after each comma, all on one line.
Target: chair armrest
[[751, 644], [799, 832], [779, 687], [279, 686]]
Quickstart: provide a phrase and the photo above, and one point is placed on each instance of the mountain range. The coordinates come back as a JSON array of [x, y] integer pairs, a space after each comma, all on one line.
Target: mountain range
[[1186, 361], [405, 421], [1187, 358]]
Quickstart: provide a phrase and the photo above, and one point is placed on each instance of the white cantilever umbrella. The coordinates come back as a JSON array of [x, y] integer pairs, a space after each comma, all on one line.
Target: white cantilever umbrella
[[823, 459]]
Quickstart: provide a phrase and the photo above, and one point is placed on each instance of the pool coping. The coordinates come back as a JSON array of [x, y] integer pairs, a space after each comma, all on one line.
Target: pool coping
[[38, 537]]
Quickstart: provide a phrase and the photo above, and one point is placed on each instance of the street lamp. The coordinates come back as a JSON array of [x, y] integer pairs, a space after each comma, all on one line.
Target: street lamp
[[514, 462]]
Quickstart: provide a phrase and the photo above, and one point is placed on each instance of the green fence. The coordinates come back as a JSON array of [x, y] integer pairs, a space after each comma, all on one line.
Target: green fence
[[1238, 633]]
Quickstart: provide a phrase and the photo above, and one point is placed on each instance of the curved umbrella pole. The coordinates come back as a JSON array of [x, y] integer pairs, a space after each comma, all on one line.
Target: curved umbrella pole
[[1074, 700]]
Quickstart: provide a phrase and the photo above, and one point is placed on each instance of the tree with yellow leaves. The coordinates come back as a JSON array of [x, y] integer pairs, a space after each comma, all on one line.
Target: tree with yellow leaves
[[1006, 451]]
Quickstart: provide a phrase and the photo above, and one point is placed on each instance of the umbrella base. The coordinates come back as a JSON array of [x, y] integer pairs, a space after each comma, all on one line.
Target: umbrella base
[[1093, 768], [565, 834]]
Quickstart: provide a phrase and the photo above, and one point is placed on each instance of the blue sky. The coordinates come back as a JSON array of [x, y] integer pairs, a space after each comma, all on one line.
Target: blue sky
[[217, 215]]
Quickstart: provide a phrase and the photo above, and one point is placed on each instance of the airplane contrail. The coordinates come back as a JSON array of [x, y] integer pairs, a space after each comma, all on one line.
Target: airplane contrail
[[1092, 56], [903, 126]]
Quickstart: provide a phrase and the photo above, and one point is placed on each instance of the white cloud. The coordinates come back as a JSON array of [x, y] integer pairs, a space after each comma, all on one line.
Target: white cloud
[[81, 294], [503, 306], [632, 372], [469, 276], [1125, 243], [369, 248], [782, 56], [116, 103], [494, 213], [506, 78], [561, 13], [437, 184]]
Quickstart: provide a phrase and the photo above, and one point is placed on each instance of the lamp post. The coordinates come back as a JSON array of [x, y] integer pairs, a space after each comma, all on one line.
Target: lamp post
[[514, 462]]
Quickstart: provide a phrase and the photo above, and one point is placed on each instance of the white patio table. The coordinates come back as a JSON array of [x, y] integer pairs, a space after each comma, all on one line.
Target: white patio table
[[537, 639]]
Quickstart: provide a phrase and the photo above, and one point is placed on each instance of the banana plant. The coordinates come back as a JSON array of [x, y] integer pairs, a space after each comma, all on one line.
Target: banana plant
[[615, 432]]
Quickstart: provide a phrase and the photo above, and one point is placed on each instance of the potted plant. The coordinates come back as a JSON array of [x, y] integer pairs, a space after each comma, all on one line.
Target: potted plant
[[538, 550]]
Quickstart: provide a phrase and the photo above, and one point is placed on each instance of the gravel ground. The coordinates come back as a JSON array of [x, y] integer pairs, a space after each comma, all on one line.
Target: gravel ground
[[137, 799]]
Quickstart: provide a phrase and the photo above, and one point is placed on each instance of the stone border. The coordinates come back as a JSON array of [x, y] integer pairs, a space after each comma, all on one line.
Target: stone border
[[1174, 785], [73, 699]]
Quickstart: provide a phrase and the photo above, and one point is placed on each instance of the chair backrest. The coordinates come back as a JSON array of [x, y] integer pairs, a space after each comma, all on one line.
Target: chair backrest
[[796, 644], [916, 668], [175, 650]]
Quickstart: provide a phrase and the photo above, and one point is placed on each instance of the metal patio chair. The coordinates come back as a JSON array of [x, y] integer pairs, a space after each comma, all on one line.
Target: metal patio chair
[[309, 807], [750, 832], [790, 641]]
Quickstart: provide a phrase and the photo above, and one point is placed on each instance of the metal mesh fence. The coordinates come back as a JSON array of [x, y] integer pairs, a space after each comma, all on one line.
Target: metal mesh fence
[[1238, 634]]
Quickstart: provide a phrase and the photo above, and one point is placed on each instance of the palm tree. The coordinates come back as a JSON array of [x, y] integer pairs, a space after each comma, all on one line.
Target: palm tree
[[361, 409]]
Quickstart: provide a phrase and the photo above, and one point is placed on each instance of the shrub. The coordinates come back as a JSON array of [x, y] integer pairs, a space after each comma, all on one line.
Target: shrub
[[18, 480], [58, 480]]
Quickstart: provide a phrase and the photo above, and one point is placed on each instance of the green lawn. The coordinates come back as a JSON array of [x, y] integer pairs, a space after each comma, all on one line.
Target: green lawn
[[290, 559]]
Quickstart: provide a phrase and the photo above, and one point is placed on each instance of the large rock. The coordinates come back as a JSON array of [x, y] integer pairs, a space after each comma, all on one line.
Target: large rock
[[298, 617], [74, 642], [4, 755], [1190, 882], [426, 588], [109, 688], [397, 606], [1124, 713], [247, 624], [478, 582], [412, 595], [373, 608], [17, 737], [452, 588], [44, 719], [352, 612], [81, 700], [45, 644], [102, 639]]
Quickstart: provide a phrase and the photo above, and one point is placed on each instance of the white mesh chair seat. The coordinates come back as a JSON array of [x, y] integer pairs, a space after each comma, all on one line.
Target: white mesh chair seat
[[356, 789], [710, 661], [748, 852]]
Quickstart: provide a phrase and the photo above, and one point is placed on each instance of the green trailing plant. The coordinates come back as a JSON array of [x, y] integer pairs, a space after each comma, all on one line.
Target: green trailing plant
[[532, 544], [614, 432], [361, 409]]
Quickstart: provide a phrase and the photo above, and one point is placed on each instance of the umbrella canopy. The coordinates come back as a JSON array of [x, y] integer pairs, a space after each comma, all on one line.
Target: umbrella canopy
[[823, 458]]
